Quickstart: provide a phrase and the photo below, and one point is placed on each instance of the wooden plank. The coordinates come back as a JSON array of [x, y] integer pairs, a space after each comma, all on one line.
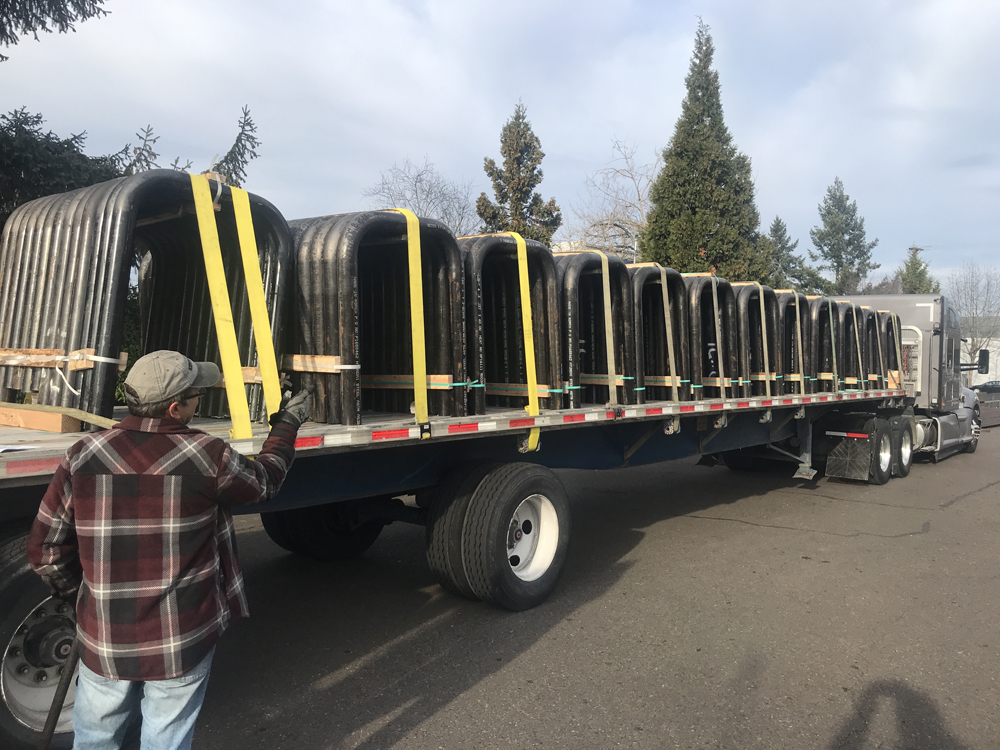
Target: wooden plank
[[33, 357], [43, 358], [893, 380], [405, 382], [88, 364], [661, 380], [599, 379], [715, 382], [38, 420], [311, 363], [515, 389]]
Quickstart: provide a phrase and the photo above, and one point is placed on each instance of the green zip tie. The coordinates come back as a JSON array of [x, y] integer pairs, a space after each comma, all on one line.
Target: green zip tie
[[639, 388]]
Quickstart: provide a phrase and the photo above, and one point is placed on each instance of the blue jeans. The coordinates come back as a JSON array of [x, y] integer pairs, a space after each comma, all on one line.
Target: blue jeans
[[104, 707]]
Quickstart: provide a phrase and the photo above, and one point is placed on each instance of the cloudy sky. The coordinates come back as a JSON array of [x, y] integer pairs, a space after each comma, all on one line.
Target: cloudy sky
[[899, 99]]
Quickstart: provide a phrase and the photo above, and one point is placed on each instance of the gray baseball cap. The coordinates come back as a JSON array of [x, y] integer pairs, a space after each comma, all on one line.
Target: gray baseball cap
[[164, 374]]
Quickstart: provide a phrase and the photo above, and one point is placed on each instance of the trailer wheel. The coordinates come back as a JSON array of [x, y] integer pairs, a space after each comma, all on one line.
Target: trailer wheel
[[881, 468], [448, 506], [34, 631], [322, 532], [515, 535], [904, 452]]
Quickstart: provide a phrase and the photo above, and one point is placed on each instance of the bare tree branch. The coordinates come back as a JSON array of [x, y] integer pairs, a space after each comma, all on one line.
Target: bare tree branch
[[975, 292], [614, 216], [423, 190]]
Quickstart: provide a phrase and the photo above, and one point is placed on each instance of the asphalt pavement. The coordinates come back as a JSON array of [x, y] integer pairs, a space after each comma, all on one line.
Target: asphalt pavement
[[699, 608]]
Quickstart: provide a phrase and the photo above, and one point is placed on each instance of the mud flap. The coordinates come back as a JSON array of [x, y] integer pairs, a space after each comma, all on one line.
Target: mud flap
[[850, 459]]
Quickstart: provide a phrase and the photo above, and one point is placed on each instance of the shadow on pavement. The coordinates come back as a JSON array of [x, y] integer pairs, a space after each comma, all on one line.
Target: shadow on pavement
[[919, 724], [359, 654]]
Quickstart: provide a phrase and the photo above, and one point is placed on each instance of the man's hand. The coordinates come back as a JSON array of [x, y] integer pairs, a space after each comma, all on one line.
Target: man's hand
[[296, 410]]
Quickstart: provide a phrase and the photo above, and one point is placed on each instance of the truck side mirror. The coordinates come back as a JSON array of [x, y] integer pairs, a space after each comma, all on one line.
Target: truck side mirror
[[984, 362]]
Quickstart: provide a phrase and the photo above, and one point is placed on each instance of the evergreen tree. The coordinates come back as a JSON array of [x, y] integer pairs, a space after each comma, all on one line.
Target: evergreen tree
[[703, 216], [34, 163], [24, 17], [789, 270], [914, 275], [518, 207], [840, 242]]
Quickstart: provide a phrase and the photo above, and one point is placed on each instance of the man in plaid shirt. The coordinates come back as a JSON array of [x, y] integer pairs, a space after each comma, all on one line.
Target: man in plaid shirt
[[137, 527]]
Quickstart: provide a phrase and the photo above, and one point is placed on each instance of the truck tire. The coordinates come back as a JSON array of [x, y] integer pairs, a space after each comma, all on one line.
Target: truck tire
[[34, 631], [321, 532], [973, 444], [904, 450], [515, 535], [448, 505], [882, 450]]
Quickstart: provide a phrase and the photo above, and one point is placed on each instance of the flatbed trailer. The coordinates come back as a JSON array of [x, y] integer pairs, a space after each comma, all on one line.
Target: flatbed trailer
[[752, 386]]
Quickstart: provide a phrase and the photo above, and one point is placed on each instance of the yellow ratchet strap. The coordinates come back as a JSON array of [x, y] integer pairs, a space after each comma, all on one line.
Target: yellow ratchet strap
[[857, 339], [417, 320], [222, 309], [833, 347], [763, 339], [878, 343], [258, 307], [718, 335], [798, 339], [668, 322], [529, 337]]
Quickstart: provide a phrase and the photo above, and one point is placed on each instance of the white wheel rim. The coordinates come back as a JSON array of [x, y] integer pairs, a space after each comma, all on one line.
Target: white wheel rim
[[532, 537], [26, 692], [906, 449], [885, 454]]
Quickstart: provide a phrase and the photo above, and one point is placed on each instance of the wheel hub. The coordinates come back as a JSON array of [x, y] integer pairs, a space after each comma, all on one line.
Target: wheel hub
[[885, 453], [532, 537], [33, 662]]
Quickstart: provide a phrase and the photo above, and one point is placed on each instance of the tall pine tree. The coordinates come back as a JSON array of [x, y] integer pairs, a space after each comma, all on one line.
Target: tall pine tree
[[703, 216], [518, 208], [840, 242], [789, 270]]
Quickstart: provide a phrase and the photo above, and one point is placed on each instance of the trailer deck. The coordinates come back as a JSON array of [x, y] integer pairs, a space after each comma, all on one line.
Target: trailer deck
[[31, 456]]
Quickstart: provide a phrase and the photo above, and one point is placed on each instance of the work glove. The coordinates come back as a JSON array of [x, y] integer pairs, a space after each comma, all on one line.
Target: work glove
[[295, 410]]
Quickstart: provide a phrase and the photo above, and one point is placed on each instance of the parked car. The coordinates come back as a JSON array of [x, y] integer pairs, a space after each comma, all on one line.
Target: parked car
[[992, 386]]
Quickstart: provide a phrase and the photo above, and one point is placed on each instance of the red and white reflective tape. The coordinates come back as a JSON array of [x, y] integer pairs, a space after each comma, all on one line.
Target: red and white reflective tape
[[409, 432], [458, 429], [855, 435]]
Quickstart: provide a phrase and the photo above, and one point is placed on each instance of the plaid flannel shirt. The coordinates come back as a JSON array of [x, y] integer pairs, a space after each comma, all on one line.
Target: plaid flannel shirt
[[138, 519]]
